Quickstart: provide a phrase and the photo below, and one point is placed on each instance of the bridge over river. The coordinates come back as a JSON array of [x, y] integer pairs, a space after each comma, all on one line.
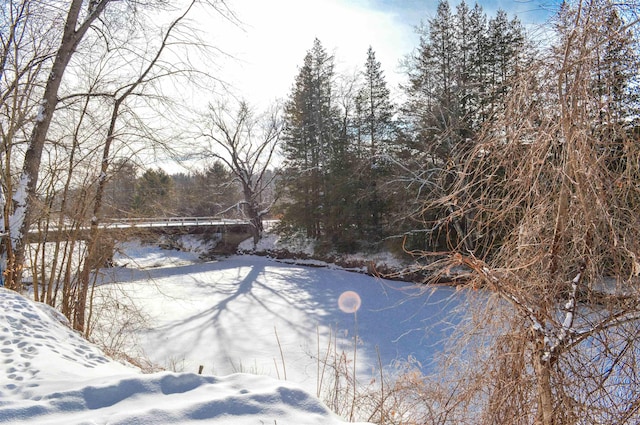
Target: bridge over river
[[179, 224], [230, 232]]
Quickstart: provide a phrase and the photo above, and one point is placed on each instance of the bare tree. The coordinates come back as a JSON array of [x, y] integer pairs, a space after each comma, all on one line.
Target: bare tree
[[69, 35], [27, 38], [247, 144], [550, 196], [93, 258], [76, 27]]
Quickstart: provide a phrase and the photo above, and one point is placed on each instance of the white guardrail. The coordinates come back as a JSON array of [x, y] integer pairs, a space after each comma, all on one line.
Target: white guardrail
[[171, 222], [128, 223]]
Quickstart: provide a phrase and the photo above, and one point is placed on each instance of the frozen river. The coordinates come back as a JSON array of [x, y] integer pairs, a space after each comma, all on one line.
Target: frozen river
[[252, 314]]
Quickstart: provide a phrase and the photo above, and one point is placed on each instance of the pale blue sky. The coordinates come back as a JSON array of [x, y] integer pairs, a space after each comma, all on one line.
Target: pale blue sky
[[413, 11], [264, 54], [277, 34]]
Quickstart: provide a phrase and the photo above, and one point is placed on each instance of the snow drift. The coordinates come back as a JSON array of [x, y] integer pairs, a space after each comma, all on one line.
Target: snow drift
[[51, 375]]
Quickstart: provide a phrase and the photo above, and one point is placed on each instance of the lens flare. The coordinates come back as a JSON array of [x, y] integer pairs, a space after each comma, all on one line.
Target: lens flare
[[349, 302]]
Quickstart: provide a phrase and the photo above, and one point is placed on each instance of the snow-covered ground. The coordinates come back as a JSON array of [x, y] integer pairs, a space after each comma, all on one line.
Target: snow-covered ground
[[285, 324], [252, 314], [50, 375]]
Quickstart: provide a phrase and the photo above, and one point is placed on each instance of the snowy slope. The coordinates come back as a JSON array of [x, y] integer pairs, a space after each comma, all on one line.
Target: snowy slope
[[50, 375]]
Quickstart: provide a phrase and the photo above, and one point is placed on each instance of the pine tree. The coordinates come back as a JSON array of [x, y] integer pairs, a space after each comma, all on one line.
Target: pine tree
[[153, 192], [477, 67], [376, 131], [459, 74], [419, 91], [618, 70], [464, 41], [308, 141], [376, 108], [506, 44], [458, 78], [433, 91], [444, 50]]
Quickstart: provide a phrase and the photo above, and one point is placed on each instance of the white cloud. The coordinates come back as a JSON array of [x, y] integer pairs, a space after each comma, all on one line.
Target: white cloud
[[278, 33]]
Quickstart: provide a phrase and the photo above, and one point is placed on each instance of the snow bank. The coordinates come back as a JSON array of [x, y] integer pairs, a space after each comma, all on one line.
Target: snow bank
[[51, 375], [270, 241], [300, 250]]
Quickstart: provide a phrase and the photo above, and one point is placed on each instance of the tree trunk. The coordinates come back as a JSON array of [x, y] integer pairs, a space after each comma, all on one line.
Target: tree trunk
[[25, 193], [542, 369], [92, 260], [252, 213]]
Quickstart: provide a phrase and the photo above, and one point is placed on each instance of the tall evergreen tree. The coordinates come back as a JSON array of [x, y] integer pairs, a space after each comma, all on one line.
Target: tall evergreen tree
[[309, 140], [464, 40], [618, 76], [153, 193], [377, 129], [505, 47], [458, 77], [459, 73], [477, 66], [444, 51], [433, 91], [376, 109]]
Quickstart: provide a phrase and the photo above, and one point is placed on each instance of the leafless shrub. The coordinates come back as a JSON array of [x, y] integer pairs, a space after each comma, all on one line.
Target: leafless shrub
[[120, 318], [545, 212]]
